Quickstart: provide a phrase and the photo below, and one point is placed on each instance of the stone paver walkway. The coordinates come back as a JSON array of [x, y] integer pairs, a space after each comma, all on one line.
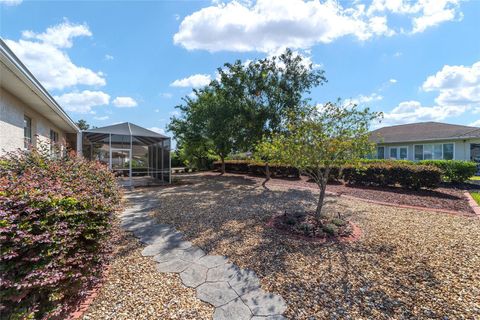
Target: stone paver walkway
[[235, 293]]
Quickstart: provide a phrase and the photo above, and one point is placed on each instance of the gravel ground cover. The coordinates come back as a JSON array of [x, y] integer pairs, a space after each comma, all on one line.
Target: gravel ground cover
[[135, 290], [407, 264], [440, 198]]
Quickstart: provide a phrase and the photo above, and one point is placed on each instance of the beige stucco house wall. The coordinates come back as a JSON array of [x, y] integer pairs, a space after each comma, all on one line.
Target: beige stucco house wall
[[22, 95]]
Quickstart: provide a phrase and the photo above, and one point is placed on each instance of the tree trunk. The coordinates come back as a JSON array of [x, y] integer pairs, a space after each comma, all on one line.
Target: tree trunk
[[321, 197], [223, 165], [267, 175]]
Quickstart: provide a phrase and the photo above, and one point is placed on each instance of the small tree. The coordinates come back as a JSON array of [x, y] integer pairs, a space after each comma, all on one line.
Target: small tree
[[324, 138], [268, 152]]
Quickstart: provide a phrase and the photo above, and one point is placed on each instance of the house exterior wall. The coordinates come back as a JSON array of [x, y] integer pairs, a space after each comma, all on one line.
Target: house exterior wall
[[12, 111], [461, 147]]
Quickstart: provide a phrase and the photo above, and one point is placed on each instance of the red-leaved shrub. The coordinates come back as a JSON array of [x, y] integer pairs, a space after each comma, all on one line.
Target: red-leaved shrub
[[55, 216]]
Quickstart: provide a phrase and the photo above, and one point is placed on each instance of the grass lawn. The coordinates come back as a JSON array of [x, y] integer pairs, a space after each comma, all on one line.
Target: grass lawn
[[476, 196], [407, 263], [476, 178]]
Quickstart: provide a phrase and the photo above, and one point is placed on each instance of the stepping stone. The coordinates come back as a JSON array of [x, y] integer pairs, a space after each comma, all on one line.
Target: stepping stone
[[156, 248], [176, 265], [244, 282], [152, 236], [235, 309], [153, 229], [133, 225], [264, 303], [194, 275], [216, 293], [275, 317], [191, 254], [224, 272], [212, 261]]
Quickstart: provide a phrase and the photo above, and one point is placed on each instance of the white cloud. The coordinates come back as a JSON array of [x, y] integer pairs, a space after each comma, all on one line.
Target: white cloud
[[267, 25], [103, 118], [413, 111], [457, 85], [45, 57], [157, 130], [423, 13], [475, 123], [124, 102], [60, 35], [272, 24], [362, 99], [11, 2], [109, 57], [194, 81], [392, 80], [82, 102]]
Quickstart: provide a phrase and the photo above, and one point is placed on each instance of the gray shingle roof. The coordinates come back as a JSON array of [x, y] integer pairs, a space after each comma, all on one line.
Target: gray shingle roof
[[128, 129], [423, 131]]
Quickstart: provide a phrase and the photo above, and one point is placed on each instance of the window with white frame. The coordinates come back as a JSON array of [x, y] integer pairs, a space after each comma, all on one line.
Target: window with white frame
[[434, 151], [398, 153], [27, 132]]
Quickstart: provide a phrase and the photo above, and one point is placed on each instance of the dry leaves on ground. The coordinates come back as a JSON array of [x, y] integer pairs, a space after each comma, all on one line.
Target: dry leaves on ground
[[408, 263]]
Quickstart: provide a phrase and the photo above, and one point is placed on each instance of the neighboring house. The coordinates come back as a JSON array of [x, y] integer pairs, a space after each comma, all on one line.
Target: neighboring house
[[428, 140], [29, 116]]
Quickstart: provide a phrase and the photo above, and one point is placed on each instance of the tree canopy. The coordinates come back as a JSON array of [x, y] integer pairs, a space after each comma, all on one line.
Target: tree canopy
[[247, 102], [323, 138]]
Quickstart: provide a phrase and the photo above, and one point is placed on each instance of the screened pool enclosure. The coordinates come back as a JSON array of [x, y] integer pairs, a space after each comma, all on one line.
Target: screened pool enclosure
[[136, 155]]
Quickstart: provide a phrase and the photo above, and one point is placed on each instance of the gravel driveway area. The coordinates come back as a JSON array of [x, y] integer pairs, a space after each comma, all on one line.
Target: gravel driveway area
[[407, 264]]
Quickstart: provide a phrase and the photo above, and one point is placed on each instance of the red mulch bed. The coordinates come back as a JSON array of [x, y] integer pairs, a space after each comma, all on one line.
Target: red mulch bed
[[447, 198]]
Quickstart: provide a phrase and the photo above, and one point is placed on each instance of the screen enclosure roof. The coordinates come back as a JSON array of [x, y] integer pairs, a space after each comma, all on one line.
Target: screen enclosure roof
[[125, 129]]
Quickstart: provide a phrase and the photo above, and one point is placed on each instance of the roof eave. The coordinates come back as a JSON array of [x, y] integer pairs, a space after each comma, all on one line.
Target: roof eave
[[431, 139], [22, 73]]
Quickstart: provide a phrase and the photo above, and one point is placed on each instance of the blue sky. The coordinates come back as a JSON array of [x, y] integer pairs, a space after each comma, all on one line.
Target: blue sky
[[115, 61]]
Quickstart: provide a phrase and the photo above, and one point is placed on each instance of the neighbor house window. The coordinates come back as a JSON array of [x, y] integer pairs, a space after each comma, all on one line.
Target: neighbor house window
[[448, 151], [399, 153], [380, 152], [54, 142], [27, 132], [418, 152], [436, 151]]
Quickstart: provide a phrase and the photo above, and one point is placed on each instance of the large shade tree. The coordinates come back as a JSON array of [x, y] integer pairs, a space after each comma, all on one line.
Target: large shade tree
[[208, 123], [247, 101], [321, 139]]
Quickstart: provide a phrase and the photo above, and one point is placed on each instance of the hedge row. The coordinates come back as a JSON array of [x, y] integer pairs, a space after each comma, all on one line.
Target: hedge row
[[55, 218], [372, 173], [454, 170], [257, 168], [391, 174]]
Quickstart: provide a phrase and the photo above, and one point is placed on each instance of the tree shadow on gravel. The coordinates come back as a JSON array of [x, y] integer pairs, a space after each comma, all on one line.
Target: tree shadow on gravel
[[227, 215]]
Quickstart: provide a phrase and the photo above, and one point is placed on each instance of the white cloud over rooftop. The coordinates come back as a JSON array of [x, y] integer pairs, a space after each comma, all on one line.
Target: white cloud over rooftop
[[267, 25]]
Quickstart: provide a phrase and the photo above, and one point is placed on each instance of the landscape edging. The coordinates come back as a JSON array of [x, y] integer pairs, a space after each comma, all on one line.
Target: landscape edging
[[473, 204]]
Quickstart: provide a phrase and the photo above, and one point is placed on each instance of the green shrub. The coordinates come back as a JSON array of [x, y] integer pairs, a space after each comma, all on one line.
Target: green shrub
[[330, 229], [257, 168], [55, 218], [383, 174], [338, 222], [456, 171]]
